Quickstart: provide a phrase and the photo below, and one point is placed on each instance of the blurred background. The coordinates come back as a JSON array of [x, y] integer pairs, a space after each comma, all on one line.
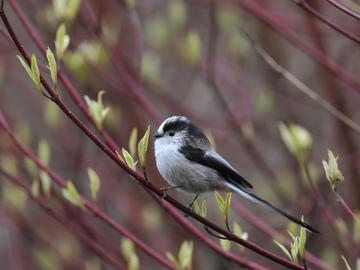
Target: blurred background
[[205, 60]]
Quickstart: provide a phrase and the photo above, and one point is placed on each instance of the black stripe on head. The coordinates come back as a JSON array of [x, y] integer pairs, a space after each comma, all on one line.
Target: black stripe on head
[[181, 123], [176, 124]]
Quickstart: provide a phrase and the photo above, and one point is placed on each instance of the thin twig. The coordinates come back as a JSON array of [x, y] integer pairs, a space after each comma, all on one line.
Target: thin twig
[[303, 88], [93, 245], [325, 20], [344, 9]]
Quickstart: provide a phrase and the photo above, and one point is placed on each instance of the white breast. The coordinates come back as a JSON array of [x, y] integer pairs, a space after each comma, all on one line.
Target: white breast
[[179, 171], [167, 156]]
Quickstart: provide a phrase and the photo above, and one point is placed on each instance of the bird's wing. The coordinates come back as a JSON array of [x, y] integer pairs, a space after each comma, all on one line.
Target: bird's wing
[[213, 160]]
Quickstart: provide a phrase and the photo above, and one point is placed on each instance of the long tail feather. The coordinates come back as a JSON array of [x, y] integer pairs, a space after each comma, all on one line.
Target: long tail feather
[[261, 201]]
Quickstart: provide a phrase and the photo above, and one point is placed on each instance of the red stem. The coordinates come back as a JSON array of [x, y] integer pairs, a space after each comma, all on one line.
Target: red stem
[[91, 207], [267, 18], [93, 245], [322, 18]]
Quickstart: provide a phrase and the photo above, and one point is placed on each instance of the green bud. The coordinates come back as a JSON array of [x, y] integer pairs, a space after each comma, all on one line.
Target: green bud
[[333, 174], [298, 140]]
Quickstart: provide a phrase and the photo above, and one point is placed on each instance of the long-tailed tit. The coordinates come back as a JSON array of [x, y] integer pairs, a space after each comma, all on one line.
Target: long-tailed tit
[[187, 161]]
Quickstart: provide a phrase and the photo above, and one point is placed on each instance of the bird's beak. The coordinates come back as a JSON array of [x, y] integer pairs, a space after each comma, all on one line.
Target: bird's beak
[[157, 135]]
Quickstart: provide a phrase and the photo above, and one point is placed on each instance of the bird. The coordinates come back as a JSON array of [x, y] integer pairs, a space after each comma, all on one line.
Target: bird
[[188, 162]]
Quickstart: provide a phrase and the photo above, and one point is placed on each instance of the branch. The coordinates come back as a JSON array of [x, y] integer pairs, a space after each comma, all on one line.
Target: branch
[[344, 9], [90, 206], [312, 94], [138, 176], [322, 18], [274, 234], [267, 18], [93, 245]]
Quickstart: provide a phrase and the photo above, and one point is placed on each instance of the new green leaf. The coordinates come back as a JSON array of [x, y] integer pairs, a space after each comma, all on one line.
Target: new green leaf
[[62, 41], [297, 139], [94, 183], [44, 152], [224, 206], [225, 244], [52, 66], [45, 184], [333, 174], [72, 195], [185, 255], [302, 240], [97, 110], [32, 71], [129, 159], [143, 147], [133, 141], [284, 250]]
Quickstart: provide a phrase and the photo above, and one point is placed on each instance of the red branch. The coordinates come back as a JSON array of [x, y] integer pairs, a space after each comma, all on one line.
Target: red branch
[[92, 244]]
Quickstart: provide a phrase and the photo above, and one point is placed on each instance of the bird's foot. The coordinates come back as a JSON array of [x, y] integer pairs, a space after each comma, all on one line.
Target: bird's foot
[[190, 206], [165, 190]]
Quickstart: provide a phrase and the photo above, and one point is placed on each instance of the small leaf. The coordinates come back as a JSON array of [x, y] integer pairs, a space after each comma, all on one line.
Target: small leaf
[[284, 250], [45, 184], [35, 187], [224, 205], [133, 141], [185, 255], [129, 159], [127, 247], [333, 174], [345, 262], [197, 208], [72, 195], [172, 259], [237, 229], [66, 10], [133, 262], [219, 200], [119, 156], [36, 73], [31, 167], [26, 67], [97, 110], [191, 48], [44, 152], [302, 240], [143, 147], [94, 183], [297, 139], [176, 13], [225, 244], [52, 66], [295, 249], [227, 206], [32, 71], [203, 209], [62, 41]]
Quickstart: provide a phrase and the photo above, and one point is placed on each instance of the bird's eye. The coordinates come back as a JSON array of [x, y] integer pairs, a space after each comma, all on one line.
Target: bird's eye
[[171, 133]]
